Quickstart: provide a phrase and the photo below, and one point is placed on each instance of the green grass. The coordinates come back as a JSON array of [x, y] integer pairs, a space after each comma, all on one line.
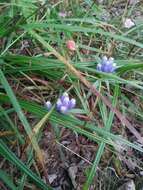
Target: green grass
[[43, 70]]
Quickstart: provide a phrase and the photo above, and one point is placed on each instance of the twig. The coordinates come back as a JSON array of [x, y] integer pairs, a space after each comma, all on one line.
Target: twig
[[74, 153]]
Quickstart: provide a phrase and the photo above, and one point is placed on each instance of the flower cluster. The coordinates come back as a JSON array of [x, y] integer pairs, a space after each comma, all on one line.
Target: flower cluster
[[63, 104], [106, 65]]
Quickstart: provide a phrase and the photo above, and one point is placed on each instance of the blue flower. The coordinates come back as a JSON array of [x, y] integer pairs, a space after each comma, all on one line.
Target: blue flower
[[48, 105], [64, 103], [106, 65]]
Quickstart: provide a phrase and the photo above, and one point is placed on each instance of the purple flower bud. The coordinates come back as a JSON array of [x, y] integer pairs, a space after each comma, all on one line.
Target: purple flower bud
[[104, 59], [59, 104], [66, 101], [64, 96], [111, 59], [99, 66], [48, 105], [106, 65], [64, 104], [72, 103], [63, 109]]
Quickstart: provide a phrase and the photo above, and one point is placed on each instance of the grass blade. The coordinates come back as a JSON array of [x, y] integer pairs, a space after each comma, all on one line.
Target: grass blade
[[7, 180], [8, 154], [102, 145], [21, 116]]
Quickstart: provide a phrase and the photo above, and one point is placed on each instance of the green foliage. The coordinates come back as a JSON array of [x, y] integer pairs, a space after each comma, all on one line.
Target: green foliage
[[38, 25]]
